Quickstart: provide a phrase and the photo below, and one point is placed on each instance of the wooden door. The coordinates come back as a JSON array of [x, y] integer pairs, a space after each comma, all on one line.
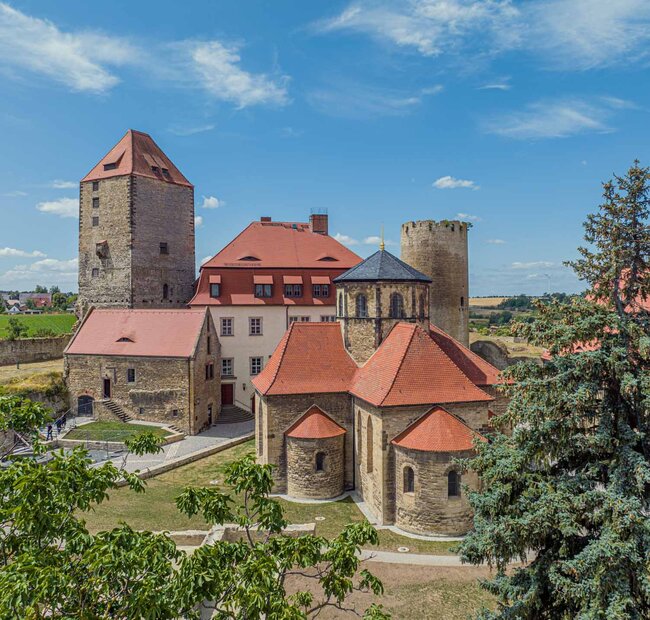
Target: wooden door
[[107, 388], [227, 394]]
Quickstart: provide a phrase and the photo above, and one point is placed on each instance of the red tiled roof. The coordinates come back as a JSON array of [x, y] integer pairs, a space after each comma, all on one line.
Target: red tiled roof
[[283, 244], [438, 431], [315, 424], [148, 333], [137, 153], [475, 367], [410, 368], [310, 359]]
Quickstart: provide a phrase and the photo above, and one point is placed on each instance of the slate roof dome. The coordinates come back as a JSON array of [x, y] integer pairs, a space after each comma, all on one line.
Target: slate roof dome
[[382, 265]]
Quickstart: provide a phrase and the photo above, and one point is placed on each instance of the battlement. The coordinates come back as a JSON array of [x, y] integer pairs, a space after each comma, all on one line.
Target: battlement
[[443, 226]]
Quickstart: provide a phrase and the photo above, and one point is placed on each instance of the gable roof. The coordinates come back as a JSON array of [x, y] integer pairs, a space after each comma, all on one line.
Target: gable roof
[[382, 265], [410, 368], [137, 153], [139, 333], [283, 244], [438, 431], [310, 359], [314, 424], [474, 366]]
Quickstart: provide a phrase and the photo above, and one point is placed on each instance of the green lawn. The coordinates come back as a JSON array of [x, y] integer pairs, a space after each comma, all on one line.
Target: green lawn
[[58, 323], [156, 510], [113, 431]]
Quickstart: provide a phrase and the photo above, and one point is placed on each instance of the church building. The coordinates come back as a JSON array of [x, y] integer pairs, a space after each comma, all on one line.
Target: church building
[[381, 403]]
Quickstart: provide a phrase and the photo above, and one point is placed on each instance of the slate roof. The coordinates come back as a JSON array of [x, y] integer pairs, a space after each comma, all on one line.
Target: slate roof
[[315, 424], [382, 266], [438, 431]]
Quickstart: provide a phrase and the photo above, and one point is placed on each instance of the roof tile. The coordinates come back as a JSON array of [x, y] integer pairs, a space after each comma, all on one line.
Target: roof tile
[[315, 424]]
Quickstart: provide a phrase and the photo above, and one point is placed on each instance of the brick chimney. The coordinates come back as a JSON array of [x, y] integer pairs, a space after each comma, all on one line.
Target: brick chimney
[[318, 223]]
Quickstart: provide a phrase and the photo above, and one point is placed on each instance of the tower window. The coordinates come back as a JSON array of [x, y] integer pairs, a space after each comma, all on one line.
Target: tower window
[[95, 272], [95, 221], [396, 306], [165, 291], [164, 248], [95, 186], [409, 480], [320, 461], [453, 484], [362, 306], [95, 203], [130, 375], [462, 302]]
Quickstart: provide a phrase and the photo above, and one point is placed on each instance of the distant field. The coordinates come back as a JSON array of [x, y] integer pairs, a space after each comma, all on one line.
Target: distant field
[[58, 323], [486, 302]]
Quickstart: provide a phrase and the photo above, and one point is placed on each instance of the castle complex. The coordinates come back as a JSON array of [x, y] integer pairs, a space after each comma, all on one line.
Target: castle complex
[[357, 371]]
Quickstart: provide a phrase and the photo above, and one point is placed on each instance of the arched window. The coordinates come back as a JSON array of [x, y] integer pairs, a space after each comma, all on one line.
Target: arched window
[[165, 291], [396, 306], [359, 433], [369, 446], [320, 461], [421, 307], [341, 304], [453, 484], [409, 480], [362, 306]]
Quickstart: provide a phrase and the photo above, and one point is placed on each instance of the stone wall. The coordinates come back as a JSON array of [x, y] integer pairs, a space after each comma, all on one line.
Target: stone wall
[[429, 509], [303, 479], [206, 393], [496, 354], [26, 350], [278, 413], [439, 250]]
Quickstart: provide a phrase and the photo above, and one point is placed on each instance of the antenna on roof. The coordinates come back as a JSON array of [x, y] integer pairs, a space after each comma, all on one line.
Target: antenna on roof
[[382, 245]]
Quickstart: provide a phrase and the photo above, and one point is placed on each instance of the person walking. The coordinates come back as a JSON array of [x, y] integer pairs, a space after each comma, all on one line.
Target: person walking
[[49, 433]]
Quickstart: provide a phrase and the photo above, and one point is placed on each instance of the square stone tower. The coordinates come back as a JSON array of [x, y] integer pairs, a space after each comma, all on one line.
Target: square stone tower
[[136, 230]]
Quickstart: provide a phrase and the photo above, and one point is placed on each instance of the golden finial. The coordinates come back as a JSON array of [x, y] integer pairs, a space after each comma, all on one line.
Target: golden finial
[[382, 245]]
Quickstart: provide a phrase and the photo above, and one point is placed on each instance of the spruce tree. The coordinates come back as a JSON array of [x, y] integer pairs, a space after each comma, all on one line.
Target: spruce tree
[[567, 491]]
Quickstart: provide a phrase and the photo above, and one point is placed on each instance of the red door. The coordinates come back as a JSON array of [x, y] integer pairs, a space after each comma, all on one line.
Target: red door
[[227, 394]]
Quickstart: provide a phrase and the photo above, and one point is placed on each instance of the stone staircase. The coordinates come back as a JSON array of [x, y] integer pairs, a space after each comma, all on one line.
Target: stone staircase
[[116, 410], [232, 414]]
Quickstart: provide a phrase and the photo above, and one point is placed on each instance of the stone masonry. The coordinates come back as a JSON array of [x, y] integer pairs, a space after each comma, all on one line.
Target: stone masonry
[[304, 479]]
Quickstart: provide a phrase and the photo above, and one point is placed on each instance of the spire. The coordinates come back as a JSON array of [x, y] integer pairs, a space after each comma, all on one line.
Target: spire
[[382, 245]]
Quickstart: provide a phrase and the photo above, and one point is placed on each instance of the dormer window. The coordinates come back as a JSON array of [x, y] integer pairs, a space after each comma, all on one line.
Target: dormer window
[[328, 259], [250, 258], [155, 169], [124, 339], [112, 166], [166, 173]]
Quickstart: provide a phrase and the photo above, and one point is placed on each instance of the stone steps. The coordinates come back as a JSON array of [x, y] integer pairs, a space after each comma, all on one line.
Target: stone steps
[[116, 410], [232, 414]]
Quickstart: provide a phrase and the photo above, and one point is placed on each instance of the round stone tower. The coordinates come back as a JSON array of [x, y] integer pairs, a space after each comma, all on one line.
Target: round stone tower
[[439, 250]]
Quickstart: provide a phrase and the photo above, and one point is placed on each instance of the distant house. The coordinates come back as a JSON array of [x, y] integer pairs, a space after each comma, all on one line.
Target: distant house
[[154, 365], [40, 300], [15, 309]]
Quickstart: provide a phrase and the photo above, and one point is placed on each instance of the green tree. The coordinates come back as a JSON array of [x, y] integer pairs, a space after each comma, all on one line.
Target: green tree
[[59, 300], [40, 289], [570, 488], [54, 289], [51, 567], [15, 328]]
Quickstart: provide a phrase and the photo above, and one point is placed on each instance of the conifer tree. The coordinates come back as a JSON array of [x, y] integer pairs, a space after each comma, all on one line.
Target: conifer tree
[[568, 491]]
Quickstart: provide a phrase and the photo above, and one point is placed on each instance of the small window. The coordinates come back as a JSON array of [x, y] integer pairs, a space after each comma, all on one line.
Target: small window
[[215, 290], [95, 272], [453, 484], [95, 203], [208, 345], [165, 291], [320, 461], [112, 166], [254, 326], [209, 371], [328, 318], [165, 173], [341, 304], [155, 169], [95, 221], [369, 447], [299, 319], [462, 302], [362, 306], [396, 306], [409, 480], [227, 367], [321, 290], [250, 258], [141, 410], [164, 249], [328, 259], [130, 375], [293, 290], [227, 326], [174, 413], [95, 186], [421, 307], [263, 290], [256, 366]]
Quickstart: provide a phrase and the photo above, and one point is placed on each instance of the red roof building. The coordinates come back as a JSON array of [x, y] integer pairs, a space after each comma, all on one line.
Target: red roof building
[[315, 424]]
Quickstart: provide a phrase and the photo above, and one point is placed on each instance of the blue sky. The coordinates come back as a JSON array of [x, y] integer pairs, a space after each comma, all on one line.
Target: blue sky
[[506, 114]]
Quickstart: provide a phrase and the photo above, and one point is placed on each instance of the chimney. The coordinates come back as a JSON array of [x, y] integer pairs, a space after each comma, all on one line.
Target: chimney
[[265, 218], [318, 223]]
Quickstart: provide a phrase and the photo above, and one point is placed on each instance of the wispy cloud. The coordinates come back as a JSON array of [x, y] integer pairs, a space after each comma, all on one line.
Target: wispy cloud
[[64, 207], [179, 130], [376, 240], [59, 184], [198, 221], [15, 194], [555, 119], [495, 241], [540, 264], [346, 239], [212, 202], [503, 84], [205, 259], [46, 271], [13, 252], [449, 182], [468, 217]]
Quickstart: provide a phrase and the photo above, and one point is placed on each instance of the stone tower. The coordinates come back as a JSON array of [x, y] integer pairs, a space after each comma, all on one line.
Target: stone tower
[[136, 229], [439, 249], [375, 295]]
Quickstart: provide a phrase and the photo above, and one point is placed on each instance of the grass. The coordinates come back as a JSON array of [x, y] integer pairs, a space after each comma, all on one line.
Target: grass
[[48, 383], [59, 324], [156, 510], [486, 302], [13, 374], [113, 431]]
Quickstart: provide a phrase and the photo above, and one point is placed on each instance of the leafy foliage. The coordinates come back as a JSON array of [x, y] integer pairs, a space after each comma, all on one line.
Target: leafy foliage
[[15, 329], [569, 489]]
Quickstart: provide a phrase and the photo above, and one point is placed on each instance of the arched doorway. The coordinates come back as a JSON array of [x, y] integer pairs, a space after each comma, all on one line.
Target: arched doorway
[[85, 405]]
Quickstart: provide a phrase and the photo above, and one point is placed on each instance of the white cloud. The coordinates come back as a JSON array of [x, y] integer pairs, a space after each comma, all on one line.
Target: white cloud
[[205, 259], [45, 271], [59, 184], [15, 194], [540, 264], [64, 207], [212, 202], [495, 241], [218, 69], [345, 239], [449, 182], [80, 60], [198, 221], [554, 119], [179, 130], [504, 85], [13, 252], [376, 240], [466, 217]]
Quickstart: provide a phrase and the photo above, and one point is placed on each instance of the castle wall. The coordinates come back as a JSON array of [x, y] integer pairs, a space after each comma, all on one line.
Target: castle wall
[[303, 478], [206, 393], [439, 250]]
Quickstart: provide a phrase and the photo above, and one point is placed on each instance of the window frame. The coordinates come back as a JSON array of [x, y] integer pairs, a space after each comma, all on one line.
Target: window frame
[[263, 291], [94, 272], [95, 202], [319, 461], [293, 290], [231, 362], [95, 221], [361, 306], [222, 323], [396, 310], [320, 290], [130, 375], [218, 285], [251, 331], [259, 360], [95, 186], [164, 248], [454, 486], [408, 480]]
